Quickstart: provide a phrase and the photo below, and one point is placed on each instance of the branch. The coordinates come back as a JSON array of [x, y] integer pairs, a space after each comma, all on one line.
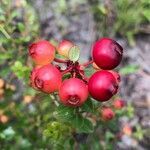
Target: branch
[[60, 60], [66, 70], [87, 63]]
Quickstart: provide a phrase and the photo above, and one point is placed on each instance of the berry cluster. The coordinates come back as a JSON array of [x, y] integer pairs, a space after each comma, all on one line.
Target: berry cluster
[[48, 75]]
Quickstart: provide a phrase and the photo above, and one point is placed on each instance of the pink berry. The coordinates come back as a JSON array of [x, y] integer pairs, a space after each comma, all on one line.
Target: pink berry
[[73, 92], [64, 47], [118, 104], [107, 53], [42, 52], [107, 114], [47, 78]]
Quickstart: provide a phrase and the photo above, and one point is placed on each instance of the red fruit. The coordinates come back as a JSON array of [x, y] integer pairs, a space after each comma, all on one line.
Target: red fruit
[[73, 92], [64, 47], [47, 78], [127, 130], [107, 53], [32, 77], [102, 85], [42, 52], [107, 114], [116, 75], [118, 104]]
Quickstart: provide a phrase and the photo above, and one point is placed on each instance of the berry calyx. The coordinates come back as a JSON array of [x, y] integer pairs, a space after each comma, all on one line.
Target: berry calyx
[[42, 52], [107, 114], [102, 85], [73, 92], [118, 104], [47, 78], [107, 53], [64, 47]]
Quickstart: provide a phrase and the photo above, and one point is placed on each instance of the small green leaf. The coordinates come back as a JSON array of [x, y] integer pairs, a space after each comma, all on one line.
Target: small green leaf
[[64, 113], [89, 71], [82, 125], [8, 133], [146, 13], [21, 27], [74, 53], [129, 69], [4, 32], [102, 9], [20, 70], [88, 106]]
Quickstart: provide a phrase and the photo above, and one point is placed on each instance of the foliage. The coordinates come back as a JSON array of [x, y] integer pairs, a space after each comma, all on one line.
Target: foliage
[[123, 17], [37, 120]]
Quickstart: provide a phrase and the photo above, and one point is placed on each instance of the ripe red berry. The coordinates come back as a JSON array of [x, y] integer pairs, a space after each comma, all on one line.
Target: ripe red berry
[[32, 77], [47, 78], [73, 92], [42, 52], [102, 85], [118, 104], [64, 47], [107, 114], [107, 53]]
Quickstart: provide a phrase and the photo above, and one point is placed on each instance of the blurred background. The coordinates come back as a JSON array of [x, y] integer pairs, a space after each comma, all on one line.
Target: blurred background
[[24, 112]]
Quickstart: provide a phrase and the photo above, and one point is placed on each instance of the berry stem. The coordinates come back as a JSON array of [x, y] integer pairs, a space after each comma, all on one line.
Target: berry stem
[[84, 77], [74, 74], [66, 70], [87, 63], [60, 60]]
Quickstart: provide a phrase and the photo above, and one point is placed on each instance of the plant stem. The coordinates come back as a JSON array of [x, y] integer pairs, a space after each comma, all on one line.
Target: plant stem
[[66, 70], [84, 77], [60, 60], [87, 63], [4, 32]]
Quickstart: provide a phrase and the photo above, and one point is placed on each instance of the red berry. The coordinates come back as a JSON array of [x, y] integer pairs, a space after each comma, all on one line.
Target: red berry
[[116, 75], [118, 104], [32, 77], [102, 85], [127, 130], [107, 114], [64, 47], [47, 78], [73, 92], [42, 52], [107, 53]]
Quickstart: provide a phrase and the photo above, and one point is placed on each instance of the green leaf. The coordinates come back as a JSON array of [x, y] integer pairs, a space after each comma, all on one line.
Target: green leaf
[[4, 32], [82, 125], [109, 135], [21, 27], [129, 69], [64, 113], [74, 53], [20, 70], [88, 106], [89, 71], [8, 133], [102, 9], [146, 14], [139, 133]]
